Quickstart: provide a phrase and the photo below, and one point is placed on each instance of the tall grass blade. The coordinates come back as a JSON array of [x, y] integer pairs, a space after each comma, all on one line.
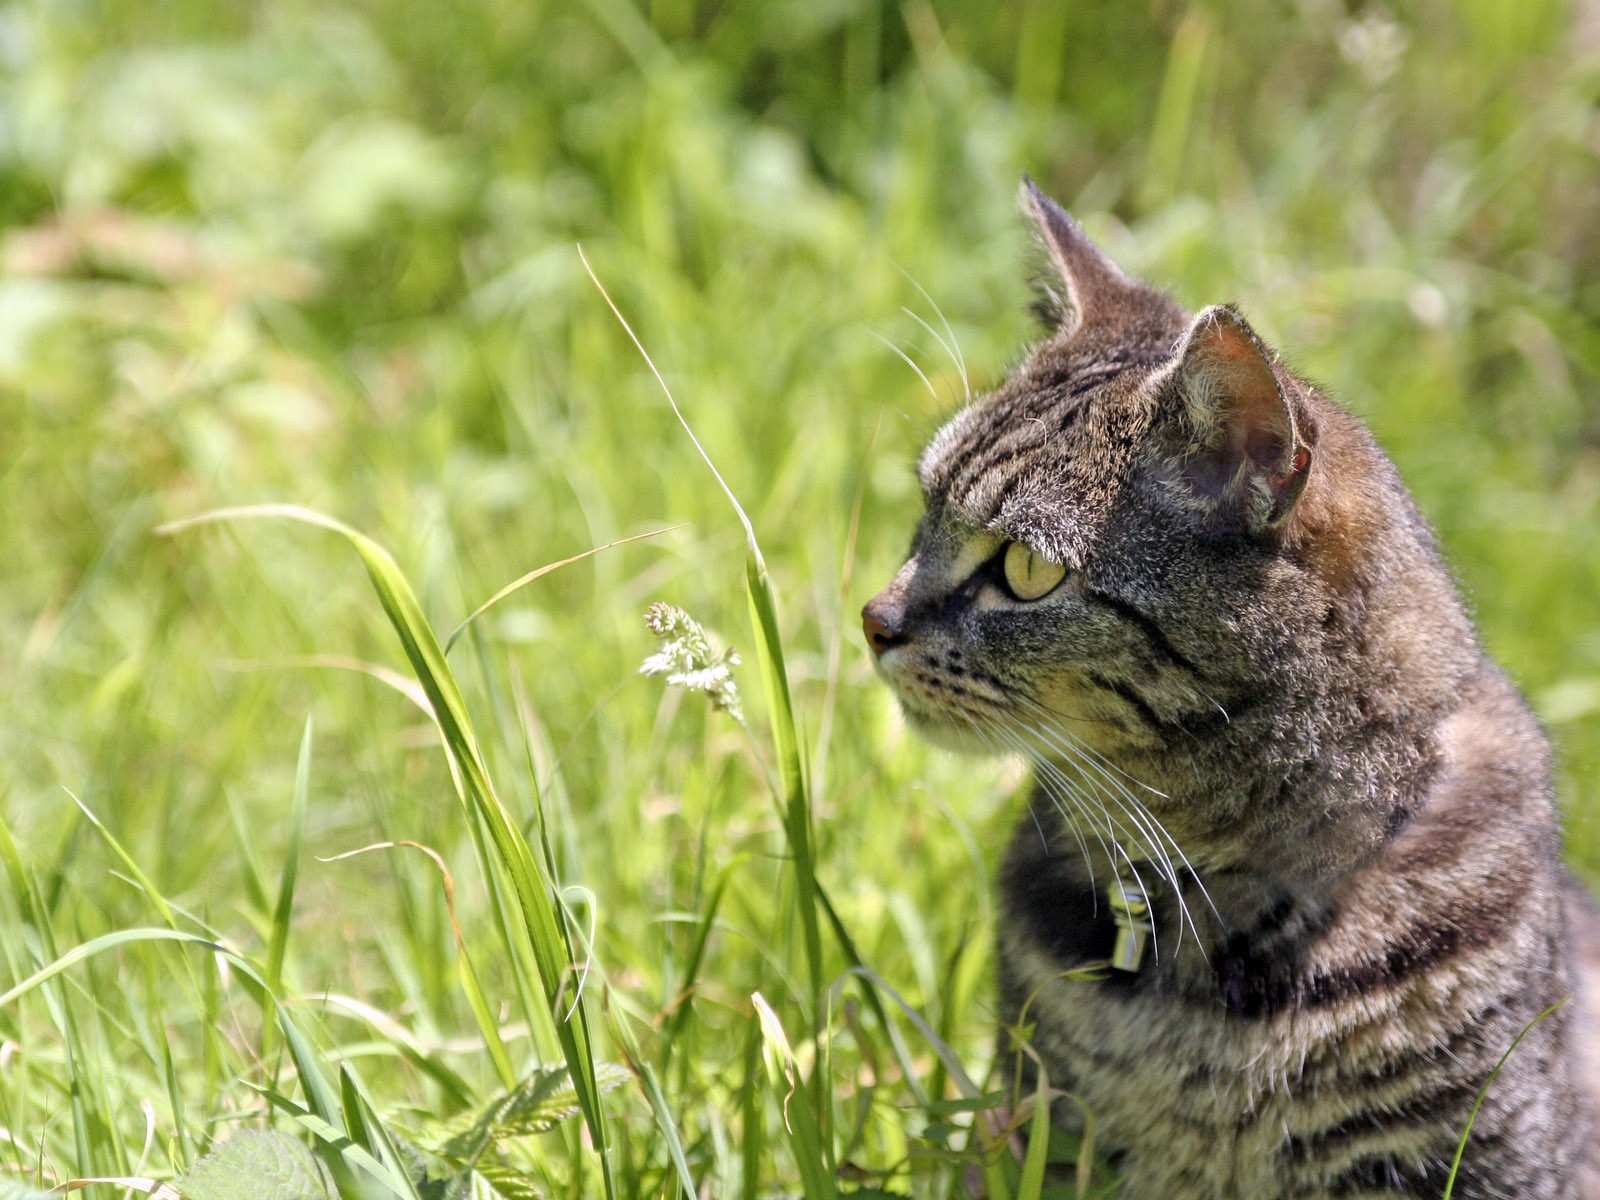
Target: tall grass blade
[[282, 911], [796, 801], [1175, 109], [542, 917], [361, 1118], [129, 863], [659, 1106], [1031, 1185], [278, 938], [697, 950], [753, 1143]]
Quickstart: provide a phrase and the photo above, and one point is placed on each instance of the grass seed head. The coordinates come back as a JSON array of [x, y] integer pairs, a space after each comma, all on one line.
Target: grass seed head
[[686, 658]]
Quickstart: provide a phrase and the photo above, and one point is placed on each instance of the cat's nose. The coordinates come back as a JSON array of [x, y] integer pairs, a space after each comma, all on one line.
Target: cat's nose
[[881, 621]]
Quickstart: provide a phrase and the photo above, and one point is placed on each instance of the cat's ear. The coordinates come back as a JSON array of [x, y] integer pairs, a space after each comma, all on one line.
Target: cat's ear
[[1083, 279], [1245, 447]]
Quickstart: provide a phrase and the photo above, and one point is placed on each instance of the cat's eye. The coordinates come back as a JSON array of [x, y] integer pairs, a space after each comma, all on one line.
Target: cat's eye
[[1030, 575]]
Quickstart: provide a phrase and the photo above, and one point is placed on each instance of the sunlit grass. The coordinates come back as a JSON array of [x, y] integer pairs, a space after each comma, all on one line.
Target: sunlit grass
[[325, 257]]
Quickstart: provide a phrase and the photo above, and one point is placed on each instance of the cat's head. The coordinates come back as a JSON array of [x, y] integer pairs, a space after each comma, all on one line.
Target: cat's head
[[1134, 533]]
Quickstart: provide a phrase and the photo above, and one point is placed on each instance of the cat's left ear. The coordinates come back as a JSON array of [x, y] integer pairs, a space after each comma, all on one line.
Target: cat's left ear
[[1245, 447], [1085, 287]]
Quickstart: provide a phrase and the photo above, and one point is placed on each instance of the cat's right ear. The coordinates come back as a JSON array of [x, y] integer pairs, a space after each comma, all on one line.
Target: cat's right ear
[[1083, 278], [1245, 445]]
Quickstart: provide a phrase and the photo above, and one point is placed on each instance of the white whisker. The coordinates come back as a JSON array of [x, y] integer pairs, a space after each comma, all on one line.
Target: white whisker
[[1055, 736], [932, 391], [953, 347]]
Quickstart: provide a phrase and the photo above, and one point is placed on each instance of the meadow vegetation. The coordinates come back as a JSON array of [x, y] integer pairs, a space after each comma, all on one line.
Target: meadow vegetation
[[607, 936]]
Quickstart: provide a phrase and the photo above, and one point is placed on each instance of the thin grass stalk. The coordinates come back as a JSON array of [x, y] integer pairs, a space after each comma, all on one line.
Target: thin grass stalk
[[753, 1126], [1461, 1146], [795, 801], [361, 1114], [799, 1119], [660, 1109]]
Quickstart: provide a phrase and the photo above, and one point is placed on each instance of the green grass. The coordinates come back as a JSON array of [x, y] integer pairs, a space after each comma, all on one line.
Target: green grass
[[325, 255]]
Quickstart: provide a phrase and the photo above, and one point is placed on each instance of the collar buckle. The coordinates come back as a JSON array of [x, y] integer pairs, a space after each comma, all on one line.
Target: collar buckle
[[1130, 909]]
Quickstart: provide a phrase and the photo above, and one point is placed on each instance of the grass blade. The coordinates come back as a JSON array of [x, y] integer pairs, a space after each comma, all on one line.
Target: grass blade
[[280, 914], [659, 1107], [536, 897], [1033, 1163], [278, 939], [1461, 1146], [365, 1127], [129, 863], [517, 584], [800, 1122]]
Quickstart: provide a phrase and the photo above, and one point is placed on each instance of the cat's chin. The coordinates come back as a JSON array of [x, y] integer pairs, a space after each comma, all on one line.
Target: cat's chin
[[938, 730]]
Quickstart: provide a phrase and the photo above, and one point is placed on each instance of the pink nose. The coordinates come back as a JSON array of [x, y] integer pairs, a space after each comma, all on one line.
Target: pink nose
[[880, 634]]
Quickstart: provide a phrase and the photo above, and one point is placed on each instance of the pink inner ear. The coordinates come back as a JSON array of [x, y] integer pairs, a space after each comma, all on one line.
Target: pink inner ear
[[1264, 446], [1253, 408]]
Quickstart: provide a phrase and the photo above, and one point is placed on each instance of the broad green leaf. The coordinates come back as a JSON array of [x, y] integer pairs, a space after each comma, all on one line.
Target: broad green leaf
[[256, 1164]]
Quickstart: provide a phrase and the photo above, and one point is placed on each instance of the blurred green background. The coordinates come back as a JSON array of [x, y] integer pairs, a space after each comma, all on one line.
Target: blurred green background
[[325, 253]]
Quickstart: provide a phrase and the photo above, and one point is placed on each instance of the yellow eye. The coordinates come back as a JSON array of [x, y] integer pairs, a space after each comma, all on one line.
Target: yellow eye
[[1029, 575]]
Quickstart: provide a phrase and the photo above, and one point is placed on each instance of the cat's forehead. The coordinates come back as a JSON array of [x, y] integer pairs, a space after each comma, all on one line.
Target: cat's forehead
[[1042, 458]]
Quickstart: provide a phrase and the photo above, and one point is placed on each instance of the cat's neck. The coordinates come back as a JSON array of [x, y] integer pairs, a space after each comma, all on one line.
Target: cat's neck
[[1296, 803]]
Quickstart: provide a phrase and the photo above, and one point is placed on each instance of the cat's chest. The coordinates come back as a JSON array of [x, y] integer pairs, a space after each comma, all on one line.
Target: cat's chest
[[1192, 1099], [1203, 1072]]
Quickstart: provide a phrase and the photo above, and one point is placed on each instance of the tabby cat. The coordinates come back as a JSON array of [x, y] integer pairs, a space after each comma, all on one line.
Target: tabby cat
[[1195, 595]]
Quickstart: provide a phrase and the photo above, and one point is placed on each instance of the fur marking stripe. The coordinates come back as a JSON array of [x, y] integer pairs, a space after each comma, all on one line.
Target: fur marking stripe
[[1152, 631]]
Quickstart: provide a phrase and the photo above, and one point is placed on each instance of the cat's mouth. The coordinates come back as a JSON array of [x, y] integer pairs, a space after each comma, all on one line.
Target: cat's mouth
[[956, 714], [978, 716]]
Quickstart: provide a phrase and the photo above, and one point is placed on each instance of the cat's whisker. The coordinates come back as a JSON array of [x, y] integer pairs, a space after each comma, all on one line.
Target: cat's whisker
[[1108, 769], [1073, 748], [1062, 780], [953, 347], [1080, 814], [905, 358], [1149, 845], [1215, 702], [955, 358], [988, 736], [1056, 715], [1059, 787], [1002, 741], [1065, 796]]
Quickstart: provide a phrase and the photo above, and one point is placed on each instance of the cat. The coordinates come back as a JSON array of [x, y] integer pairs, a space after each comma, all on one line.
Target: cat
[[1193, 593]]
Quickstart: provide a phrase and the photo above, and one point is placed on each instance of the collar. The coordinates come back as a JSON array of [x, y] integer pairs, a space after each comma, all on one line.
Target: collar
[[1130, 910]]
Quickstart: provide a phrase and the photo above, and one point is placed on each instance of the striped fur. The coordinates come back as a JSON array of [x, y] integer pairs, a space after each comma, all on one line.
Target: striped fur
[[1256, 691]]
